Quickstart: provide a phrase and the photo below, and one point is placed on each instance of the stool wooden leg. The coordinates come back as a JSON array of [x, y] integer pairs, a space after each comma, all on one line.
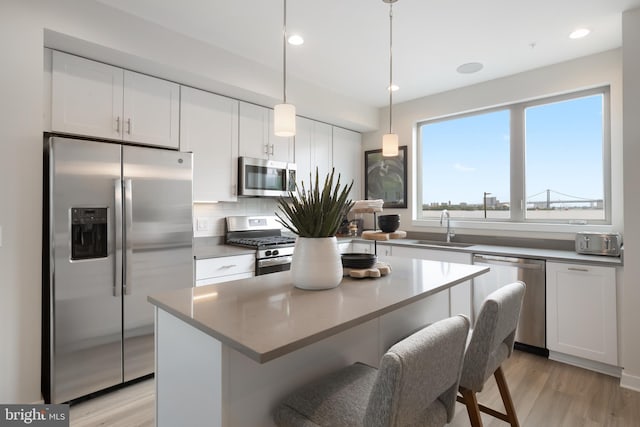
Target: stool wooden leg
[[512, 417], [470, 401]]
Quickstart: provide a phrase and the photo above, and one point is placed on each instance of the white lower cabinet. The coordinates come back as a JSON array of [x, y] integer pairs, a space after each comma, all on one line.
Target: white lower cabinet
[[361, 247], [581, 311], [224, 269], [459, 295]]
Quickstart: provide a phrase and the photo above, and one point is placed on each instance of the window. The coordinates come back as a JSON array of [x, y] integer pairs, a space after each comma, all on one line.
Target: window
[[465, 166], [541, 161]]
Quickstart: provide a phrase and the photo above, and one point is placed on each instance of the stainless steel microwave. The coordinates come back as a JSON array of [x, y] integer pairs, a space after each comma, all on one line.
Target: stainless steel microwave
[[260, 177]]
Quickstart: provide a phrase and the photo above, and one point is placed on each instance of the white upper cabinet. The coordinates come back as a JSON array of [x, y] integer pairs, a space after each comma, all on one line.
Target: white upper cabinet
[[209, 129], [348, 158], [86, 97], [581, 311], [313, 148], [151, 110], [256, 135], [94, 99]]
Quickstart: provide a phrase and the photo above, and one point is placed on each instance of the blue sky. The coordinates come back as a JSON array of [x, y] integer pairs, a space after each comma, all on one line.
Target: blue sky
[[465, 157]]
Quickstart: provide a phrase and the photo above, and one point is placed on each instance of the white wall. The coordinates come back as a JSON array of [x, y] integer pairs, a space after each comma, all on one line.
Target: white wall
[[592, 71], [93, 30], [631, 291], [20, 203]]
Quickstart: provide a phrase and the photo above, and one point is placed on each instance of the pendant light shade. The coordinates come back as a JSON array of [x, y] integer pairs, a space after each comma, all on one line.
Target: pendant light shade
[[390, 145], [284, 115], [390, 141], [284, 119]]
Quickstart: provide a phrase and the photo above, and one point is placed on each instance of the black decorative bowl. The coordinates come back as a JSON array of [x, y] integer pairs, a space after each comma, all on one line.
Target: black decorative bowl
[[389, 223], [358, 260]]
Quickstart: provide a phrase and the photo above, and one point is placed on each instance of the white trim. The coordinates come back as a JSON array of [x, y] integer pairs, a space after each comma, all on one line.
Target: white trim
[[631, 382], [603, 368]]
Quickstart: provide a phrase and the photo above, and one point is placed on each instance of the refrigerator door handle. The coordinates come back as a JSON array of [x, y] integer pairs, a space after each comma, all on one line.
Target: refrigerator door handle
[[128, 212], [117, 282]]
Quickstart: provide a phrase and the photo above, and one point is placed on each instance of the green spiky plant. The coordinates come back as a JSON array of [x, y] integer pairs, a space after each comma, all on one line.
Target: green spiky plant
[[317, 211]]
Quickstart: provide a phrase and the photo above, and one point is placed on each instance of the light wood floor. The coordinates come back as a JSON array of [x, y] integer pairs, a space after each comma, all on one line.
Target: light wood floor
[[545, 394]]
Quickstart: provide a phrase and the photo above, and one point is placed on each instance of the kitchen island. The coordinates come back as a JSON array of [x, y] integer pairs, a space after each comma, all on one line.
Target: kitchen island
[[226, 354]]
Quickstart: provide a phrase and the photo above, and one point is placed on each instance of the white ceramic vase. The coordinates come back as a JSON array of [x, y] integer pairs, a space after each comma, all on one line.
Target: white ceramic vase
[[316, 263]]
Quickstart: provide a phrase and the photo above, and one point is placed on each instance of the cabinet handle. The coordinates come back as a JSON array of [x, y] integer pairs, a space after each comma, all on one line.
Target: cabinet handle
[[229, 266], [577, 269], [271, 149], [266, 149], [129, 125], [118, 125]]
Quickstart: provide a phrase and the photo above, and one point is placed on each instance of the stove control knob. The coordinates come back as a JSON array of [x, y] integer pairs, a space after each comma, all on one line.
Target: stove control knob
[[267, 253], [275, 252]]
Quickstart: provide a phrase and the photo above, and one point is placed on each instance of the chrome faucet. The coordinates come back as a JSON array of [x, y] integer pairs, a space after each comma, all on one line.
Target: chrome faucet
[[450, 233]]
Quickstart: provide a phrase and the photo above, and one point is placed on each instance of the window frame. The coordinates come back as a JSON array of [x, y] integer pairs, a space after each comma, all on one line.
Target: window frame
[[517, 150]]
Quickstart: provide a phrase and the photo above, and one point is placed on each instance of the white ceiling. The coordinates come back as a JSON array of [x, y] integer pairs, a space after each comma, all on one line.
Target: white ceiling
[[346, 45]]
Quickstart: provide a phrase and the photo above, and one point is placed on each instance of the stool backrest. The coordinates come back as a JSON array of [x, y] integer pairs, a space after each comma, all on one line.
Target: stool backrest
[[493, 335], [417, 371]]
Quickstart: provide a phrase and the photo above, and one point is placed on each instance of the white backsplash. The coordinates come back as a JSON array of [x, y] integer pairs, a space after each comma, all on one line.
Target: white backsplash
[[208, 218]]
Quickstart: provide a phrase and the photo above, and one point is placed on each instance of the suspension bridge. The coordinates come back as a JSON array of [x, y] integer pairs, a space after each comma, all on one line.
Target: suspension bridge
[[562, 199]]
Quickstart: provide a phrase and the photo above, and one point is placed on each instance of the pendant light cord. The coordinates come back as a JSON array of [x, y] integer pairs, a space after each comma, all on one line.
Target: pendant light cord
[[390, 65], [284, 53]]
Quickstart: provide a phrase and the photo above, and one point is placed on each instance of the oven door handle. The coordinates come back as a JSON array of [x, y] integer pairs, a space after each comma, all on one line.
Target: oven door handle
[[269, 262]]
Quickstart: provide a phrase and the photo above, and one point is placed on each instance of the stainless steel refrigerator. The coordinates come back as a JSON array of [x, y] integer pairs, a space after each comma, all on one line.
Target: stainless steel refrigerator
[[117, 226]]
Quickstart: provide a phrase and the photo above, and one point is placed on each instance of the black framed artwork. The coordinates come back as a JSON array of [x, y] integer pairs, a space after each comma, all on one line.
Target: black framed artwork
[[386, 177]]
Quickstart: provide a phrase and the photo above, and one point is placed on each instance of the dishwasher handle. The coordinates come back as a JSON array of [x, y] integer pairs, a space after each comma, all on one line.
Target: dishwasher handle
[[508, 261]]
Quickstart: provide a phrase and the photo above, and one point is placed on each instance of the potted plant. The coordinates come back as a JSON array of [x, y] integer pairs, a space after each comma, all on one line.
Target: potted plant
[[315, 214]]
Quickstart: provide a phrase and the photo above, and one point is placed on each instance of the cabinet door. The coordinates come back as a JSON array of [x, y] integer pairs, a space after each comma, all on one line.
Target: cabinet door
[[313, 147], [278, 147], [151, 110], [348, 157], [459, 295], [322, 149], [581, 311], [303, 141], [86, 97], [209, 129], [254, 126]]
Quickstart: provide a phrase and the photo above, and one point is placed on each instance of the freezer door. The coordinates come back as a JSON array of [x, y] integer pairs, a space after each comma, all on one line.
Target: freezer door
[[85, 316], [158, 243]]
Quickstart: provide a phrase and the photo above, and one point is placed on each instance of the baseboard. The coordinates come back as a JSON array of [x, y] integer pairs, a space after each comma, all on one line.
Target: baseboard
[[591, 365], [632, 382]]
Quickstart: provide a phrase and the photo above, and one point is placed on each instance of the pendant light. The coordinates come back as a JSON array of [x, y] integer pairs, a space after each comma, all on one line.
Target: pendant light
[[284, 115], [390, 140]]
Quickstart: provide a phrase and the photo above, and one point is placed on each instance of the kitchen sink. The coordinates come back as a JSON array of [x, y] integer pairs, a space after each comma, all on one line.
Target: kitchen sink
[[445, 244]]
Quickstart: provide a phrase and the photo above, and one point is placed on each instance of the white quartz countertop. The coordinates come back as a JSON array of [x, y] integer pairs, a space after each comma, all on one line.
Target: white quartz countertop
[[266, 317]]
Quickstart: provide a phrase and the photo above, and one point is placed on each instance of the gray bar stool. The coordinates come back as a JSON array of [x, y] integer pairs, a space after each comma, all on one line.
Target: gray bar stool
[[416, 384], [490, 344]]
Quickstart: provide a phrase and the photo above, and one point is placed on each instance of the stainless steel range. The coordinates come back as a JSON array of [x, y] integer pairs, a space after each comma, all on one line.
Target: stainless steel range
[[264, 233]]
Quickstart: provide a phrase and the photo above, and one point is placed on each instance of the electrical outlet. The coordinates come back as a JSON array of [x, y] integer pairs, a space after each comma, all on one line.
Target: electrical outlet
[[202, 224]]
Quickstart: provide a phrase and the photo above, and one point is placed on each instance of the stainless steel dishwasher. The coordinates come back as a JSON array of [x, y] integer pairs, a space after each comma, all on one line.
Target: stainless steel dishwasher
[[531, 334]]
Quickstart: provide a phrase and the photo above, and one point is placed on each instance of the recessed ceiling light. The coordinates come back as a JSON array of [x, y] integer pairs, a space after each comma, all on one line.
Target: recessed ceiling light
[[579, 33], [469, 68], [393, 88], [295, 39]]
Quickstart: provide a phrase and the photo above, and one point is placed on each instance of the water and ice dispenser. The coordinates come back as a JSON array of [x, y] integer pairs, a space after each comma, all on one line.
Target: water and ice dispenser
[[88, 233]]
